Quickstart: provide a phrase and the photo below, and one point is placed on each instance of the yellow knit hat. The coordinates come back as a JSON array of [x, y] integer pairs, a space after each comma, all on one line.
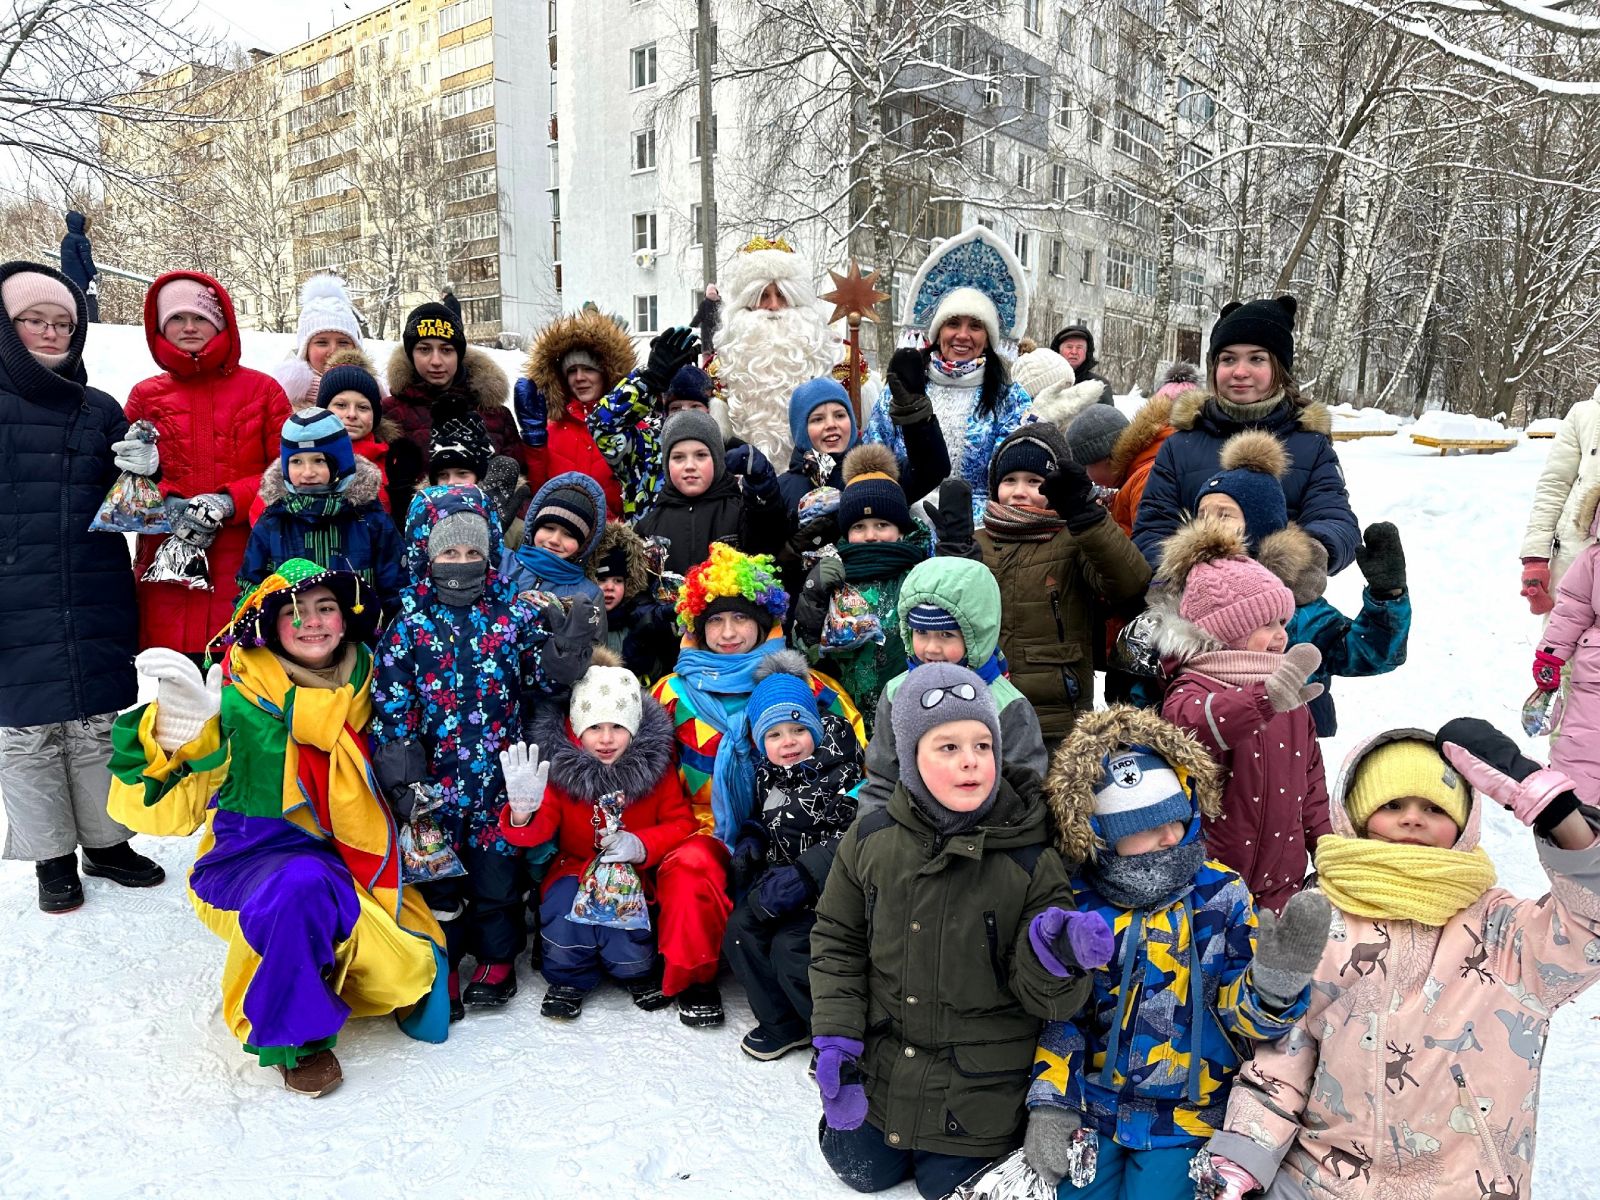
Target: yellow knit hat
[[1406, 768]]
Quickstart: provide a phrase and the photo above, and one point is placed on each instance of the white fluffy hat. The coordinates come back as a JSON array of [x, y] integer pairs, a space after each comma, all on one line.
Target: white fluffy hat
[[762, 261], [606, 694], [1039, 370], [966, 302], [325, 308]]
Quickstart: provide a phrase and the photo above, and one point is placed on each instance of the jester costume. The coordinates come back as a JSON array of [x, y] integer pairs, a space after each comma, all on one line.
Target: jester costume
[[706, 698], [298, 869]]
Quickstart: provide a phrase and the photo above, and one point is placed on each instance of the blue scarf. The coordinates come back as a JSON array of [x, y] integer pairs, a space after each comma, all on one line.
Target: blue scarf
[[719, 686], [560, 574], [989, 672]]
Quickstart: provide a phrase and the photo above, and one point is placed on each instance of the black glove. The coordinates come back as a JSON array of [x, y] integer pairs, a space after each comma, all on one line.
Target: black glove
[[669, 351], [748, 858], [908, 388], [783, 890], [1382, 560], [1070, 492], [952, 522], [399, 766], [815, 534], [573, 634], [499, 484]]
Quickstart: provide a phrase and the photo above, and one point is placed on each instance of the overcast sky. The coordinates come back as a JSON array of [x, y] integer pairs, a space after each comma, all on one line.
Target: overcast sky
[[278, 24]]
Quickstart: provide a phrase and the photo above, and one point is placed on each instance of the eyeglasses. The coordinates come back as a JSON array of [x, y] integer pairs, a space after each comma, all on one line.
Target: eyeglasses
[[38, 326], [961, 691]]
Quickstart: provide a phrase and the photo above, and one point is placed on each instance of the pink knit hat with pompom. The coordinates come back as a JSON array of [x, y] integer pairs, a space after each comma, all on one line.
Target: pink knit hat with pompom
[[1230, 598]]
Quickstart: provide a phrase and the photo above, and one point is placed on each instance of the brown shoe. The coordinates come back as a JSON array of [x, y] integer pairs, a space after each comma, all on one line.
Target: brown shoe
[[314, 1075]]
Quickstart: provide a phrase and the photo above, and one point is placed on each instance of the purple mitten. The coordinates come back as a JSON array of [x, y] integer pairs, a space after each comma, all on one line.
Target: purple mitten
[[844, 1099], [1069, 943]]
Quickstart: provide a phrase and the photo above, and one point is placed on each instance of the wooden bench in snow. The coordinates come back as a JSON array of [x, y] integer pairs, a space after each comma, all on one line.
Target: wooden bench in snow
[[1543, 433], [1351, 435], [1464, 445]]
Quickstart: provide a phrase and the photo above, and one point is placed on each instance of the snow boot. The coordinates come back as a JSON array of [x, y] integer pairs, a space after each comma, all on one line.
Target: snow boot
[[646, 991], [315, 1075], [700, 1006], [765, 1045], [492, 985], [122, 865], [60, 889], [562, 1003], [453, 985]]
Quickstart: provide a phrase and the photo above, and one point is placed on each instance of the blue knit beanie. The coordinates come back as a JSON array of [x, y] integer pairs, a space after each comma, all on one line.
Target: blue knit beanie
[[812, 395], [690, 383], [316, 430], [350, 378], [1252, 464], [1137, 791], [783, 696], [872, 489]]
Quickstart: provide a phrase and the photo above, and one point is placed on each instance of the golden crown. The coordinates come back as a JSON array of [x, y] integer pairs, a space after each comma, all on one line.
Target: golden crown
[[766, 243]]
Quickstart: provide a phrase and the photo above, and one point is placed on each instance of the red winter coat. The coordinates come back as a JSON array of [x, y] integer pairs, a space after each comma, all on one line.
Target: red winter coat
[[1275, 801], [219, 425], [570, 447], [646, 773]]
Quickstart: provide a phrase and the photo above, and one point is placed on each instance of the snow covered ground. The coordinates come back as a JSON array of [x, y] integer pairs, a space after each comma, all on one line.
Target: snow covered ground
[[119, 1080]]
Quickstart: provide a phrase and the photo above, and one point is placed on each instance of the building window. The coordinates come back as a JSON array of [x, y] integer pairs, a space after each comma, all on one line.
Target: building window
[[405, 41], [1086, 268], [644, 231], [1064, 109], [1030, 92], [1025, 169], [1193, 289], [485, 310], [472, 99], [473, 227], [694, 138], [644, 149], [470, 185], [1064, 28], [465, 55], [949, 46], [1022, 243], [642, 72], [1030, 15], [1058, 257], [694, 45], [1136, 136], [988, 150], [1119, 268], [644, 314], [477, 140], [1058, 184], [991, 94], [424, 73], [1097, 128], [1144, 275], [1097, 50], [461, 14]]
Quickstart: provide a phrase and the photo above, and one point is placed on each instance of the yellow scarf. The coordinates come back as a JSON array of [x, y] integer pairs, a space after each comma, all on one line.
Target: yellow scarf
[[334, 720], [1382, 880]]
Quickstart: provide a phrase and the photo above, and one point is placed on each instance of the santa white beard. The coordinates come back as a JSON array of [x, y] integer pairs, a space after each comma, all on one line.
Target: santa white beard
[[761, 359]]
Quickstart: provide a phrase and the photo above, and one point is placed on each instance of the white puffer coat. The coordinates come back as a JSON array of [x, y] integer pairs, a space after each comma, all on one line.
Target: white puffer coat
[[1572, 470]]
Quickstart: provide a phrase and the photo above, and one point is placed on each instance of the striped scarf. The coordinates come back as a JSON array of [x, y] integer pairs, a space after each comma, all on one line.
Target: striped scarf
[[1020, 522]]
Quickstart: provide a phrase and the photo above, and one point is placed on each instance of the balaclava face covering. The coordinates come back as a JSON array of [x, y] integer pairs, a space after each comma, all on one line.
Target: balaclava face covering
[[460, 584]]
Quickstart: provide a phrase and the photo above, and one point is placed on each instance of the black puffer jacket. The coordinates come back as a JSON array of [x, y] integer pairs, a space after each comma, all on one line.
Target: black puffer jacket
[[744, 511], [69, 627]]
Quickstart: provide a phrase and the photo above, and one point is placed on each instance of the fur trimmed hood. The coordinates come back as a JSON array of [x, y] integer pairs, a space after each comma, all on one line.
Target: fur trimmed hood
[[1254, 450], [486, 382], [619, 535], [591, 330], [1188, 408], [1075, 769], [1152, 421], [1059, 403], [585, 778], [1298, 559], [1195, 542], [363, 488]]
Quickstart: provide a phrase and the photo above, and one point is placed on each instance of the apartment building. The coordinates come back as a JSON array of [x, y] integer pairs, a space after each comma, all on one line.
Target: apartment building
[[1053, 123]]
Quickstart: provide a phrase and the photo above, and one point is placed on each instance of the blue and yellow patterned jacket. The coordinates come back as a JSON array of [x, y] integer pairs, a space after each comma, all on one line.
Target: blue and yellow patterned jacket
[[1149, 1060]]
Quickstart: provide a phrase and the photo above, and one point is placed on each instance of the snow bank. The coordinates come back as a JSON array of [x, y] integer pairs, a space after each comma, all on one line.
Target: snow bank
[[1348, 417], [1545, 427], [1460, 427], [120, 1080]]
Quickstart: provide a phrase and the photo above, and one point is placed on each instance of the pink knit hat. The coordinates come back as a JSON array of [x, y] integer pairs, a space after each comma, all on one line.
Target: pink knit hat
[[1230, 598], [23, 290], [189, 296]]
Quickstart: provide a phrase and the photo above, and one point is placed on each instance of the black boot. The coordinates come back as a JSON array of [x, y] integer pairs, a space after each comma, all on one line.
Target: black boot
[[646, 991], [60, 890], [562, 1003], [492, 985], [121, 864], [700, 1006]]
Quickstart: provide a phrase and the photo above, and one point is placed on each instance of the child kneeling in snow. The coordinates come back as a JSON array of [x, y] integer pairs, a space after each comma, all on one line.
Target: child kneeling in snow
[[807, 771], [613, 749], [928, 993], [1430, 1008], [1143, 1072]]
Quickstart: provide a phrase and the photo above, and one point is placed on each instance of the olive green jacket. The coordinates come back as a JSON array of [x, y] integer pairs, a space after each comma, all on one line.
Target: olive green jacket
[[921, 951]]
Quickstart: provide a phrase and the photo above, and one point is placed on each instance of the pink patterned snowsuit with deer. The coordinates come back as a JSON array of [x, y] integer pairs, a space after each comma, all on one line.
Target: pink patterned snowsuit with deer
[[1573, 635], [1415, 1072]]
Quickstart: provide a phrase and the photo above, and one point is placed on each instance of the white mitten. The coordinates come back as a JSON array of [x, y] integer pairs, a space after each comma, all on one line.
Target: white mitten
[[184, 701]]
